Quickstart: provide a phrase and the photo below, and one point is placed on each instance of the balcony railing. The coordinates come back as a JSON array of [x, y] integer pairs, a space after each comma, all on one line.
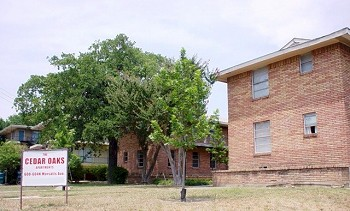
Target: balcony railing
[[30, 139]]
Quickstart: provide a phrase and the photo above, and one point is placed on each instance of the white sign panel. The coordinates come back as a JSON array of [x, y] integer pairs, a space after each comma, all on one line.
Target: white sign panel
[[44, 167]]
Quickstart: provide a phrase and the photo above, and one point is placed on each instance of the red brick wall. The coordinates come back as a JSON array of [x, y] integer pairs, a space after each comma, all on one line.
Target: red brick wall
[[129, 144], [299, 176], [325, 91]]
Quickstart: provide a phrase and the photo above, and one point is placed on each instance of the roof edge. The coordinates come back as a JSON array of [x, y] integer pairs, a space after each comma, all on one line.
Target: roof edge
[[291, 51]]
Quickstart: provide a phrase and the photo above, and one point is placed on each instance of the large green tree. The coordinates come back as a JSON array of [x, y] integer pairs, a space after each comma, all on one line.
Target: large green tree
[[182, 120], [79, 92], [134, 95]]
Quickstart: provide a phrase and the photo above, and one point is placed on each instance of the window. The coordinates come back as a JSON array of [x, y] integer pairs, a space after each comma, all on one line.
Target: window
[[195, 159], [310, 124], [139, 158], [35, 136], [306, 63], [172, 155], [262, 137], [212, 162], [85, 155], [21, 135], [260, 83], [125, 157]]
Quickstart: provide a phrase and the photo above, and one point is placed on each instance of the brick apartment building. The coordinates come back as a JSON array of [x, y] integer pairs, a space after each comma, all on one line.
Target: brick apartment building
[[199, 163], [289, 115]]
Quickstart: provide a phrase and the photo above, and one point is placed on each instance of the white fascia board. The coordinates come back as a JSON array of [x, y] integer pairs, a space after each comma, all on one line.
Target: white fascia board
[[342, 35]]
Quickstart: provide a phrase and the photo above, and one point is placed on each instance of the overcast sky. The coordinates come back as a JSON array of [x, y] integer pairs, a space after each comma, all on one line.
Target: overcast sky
[[226, 32]]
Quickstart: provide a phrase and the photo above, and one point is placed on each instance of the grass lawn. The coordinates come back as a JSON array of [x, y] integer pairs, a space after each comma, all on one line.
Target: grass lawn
[[151, 197]]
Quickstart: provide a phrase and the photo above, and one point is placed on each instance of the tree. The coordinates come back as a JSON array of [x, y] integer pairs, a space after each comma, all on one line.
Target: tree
[[10, 159], [217, 140], [3, 124], [182, 120], [79, 92], [29, 102], [16, 120], [133, 95]]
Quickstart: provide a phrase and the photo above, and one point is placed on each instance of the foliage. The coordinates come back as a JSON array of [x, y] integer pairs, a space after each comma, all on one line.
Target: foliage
[[75, 167], [198, 182], [16, 120], [29, 100], [119, 175], [3, 124], [10, 159], [181, 120], [165, 182], [132, 95], [95, 172], [79, 92], [217, 140], [64, 137]]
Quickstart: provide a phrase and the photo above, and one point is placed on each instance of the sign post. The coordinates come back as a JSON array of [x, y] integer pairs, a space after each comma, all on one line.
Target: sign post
[[44, 168]]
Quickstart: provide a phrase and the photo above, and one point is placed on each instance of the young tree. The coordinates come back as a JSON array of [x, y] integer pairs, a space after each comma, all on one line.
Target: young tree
[[217, 140], [182, 120]]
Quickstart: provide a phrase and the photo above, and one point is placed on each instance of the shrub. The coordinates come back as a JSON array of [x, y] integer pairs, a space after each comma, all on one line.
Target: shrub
[[167, 182], [76, 169], [95, 172], [198, 182], [118, 175], [10, 160]]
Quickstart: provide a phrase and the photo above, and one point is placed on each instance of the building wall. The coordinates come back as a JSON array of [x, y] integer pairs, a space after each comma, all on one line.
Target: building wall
[[130, 145], [87, 156], [14, 135], [325, 91], [336, 176]]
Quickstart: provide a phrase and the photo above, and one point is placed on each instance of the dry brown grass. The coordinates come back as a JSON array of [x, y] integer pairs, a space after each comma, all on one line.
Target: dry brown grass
[[101, 197]]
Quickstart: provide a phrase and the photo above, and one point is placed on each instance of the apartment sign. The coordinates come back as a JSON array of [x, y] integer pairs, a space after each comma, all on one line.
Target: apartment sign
[[44, 168]]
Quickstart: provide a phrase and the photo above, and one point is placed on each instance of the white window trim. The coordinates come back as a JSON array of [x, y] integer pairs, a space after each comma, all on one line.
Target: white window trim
[[304, 62], [315, 124], [268, 85], [269, 136]]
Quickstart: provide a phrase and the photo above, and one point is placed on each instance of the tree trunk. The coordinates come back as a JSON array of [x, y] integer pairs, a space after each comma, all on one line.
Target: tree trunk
[[183, 191], [152, 165], [145, 164], [177, 180], [112, 159]]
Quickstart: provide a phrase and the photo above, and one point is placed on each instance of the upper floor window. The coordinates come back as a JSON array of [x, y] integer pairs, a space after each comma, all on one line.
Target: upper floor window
[[310, 124], [140, 161], [35, 136], [195, 159], [21, 135], [260, 83], [306, 63], [262, 137]]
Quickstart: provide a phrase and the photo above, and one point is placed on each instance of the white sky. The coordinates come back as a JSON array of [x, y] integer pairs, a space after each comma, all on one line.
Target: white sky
[[226, 32]]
